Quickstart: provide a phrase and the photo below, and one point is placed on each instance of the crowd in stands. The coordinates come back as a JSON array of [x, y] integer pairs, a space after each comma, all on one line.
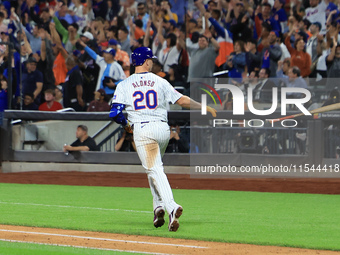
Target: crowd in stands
[[73, 53]]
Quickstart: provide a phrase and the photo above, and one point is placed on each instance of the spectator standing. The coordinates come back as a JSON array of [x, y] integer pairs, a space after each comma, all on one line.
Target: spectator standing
[[333, 65], [3, 95], [142, 14], [279, 13], [124, 41], [299, 57], [238, 21], [83, 143], [179, 7], [32, 80], [43, 20], [69, 35], [33, 38], [317, 13], [174, 76], [252, 59], [236, 63], [270, 54], [169, 54], [313, 47], [62, 13], [50, 104], [265, 17], [88, 66], [46, 60], [73, 86], [206, 51], [100, 8], [59, 65], [108, 68], [121, 56]]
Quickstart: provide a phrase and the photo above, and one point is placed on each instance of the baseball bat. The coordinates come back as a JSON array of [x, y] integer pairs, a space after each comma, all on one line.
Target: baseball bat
[[326, 108]]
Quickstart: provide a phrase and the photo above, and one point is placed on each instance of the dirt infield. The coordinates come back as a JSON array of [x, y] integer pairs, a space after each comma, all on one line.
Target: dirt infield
[[177, 181], [152, 245]]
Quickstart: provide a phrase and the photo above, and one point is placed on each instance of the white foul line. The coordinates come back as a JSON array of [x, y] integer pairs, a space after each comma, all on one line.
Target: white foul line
[[76, 246], [80, 207], [103, 239]]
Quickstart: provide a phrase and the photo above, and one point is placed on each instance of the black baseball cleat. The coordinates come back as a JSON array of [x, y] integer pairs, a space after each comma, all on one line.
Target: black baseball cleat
[[158, 219], [173, 219]]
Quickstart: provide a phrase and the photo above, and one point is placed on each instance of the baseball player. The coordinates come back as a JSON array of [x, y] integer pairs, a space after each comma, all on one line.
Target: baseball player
[[144, 95]]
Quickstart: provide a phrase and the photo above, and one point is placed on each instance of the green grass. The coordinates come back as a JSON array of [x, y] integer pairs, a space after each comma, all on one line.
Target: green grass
[[39, 249], [295, 220]]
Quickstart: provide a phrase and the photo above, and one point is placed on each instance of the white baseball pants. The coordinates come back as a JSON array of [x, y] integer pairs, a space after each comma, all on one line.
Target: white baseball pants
[[151, 140]]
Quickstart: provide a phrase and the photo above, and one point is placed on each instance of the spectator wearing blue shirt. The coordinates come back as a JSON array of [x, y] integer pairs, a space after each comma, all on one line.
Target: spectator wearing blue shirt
[[3, 95], [33, 36], [179, 7], [62, 14], [100, 8], [236, 62], [265, 17], [32, 80], [142, 14], [280, 14]]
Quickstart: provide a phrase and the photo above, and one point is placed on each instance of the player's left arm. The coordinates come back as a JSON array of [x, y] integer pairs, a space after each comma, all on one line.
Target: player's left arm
[[117, 115]]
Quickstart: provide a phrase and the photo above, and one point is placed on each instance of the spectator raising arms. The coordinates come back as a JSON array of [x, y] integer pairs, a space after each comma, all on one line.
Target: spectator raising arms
[[299, 56], [108, 68]]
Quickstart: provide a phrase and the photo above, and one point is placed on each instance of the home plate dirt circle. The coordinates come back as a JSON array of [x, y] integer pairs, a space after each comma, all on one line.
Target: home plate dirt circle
[[134, 243]]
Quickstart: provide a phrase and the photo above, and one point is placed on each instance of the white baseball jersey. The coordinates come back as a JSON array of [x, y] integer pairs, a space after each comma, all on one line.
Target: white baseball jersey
[[318, 14], [145, 96]]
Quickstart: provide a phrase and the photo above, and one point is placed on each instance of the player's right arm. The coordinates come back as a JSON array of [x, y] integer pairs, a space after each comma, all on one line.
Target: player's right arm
[[187, 102]]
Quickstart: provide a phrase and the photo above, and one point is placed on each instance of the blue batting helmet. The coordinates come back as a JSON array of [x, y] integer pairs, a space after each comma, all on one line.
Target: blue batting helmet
[[141, 54]]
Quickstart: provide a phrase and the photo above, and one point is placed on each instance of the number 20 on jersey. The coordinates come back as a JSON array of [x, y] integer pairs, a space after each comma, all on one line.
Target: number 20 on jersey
[[145, 100]]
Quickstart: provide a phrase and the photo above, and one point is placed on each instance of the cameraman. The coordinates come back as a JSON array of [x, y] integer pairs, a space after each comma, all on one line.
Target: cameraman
[[125, 143], [178, 142]]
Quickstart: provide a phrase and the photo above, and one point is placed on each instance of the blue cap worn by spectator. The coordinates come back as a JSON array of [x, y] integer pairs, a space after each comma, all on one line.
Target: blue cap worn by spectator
[[173, 22], [318, 24], [76, 53], [283, 2], [113, 42], [110, 51], [275, 32]]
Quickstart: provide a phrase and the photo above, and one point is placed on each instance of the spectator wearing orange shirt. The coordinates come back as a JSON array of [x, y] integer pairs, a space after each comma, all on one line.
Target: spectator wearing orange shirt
[[122, 57], [50, 105], [299, 56], [59, 65]]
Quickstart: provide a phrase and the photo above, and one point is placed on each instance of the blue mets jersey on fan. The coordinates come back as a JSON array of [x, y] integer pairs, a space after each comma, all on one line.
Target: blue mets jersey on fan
[[145, 96]]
